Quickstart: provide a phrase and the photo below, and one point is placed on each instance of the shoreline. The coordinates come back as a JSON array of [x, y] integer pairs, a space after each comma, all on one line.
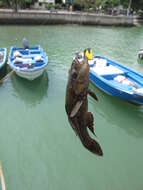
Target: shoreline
[[45, 17]]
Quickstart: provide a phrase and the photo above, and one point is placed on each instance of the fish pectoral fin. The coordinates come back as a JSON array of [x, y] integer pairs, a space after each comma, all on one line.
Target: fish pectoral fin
[[92, 94], [76, 108]]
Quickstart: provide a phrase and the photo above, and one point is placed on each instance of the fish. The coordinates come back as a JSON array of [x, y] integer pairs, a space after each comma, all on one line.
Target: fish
[[76, 105]]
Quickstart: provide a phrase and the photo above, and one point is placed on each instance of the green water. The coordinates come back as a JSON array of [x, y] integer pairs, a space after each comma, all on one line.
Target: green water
[[38, 148]]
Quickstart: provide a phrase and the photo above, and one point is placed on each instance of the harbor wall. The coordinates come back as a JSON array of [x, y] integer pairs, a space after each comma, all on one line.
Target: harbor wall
[[65, 17]]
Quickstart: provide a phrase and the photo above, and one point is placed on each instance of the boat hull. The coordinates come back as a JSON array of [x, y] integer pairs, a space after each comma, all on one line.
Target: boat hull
[[132, 98], [30, 75]]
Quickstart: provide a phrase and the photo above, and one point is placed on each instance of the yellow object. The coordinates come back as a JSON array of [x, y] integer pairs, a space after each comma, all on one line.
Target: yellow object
[[88, 53]]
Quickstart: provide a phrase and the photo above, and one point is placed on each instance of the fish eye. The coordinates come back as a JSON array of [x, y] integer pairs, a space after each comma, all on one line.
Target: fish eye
[[74, 75]]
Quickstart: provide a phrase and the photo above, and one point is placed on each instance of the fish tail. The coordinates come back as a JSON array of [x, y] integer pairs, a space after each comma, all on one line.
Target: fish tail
[[89, 143]]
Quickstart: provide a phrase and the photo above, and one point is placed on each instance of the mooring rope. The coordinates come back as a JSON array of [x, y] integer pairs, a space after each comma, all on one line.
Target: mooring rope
[[2, 178]]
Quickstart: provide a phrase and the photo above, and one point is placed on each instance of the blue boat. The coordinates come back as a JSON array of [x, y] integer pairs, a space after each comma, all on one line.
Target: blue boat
[[3, 53], [116, 80], [29, 62]]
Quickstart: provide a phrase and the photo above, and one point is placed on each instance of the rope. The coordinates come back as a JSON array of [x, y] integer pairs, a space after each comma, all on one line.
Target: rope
[[2, 178]]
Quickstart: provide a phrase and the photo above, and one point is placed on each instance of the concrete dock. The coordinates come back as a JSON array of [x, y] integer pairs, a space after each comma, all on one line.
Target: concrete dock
[[8, 16]]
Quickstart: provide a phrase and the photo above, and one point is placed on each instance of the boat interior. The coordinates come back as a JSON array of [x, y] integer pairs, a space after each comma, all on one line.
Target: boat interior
[[117, 76], [30, 58]]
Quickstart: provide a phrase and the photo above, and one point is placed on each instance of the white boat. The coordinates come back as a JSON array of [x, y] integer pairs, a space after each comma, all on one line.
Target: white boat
[[28, 63], [140, 54]]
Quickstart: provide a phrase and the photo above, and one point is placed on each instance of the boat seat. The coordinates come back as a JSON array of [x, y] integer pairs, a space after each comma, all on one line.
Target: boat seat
[[21, 60], [125, 81], [100, 62], [37, 64], [122, 86], [106, 70]]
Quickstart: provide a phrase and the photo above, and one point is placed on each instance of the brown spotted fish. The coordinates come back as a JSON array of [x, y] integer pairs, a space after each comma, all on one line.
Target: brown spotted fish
[[77, 105]]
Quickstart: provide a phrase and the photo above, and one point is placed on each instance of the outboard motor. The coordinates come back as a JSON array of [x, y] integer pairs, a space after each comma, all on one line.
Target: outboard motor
[[25, 43]]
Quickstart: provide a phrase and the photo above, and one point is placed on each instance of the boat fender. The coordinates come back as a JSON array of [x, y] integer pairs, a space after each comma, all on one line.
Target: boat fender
[[38, 58], [18, 60], [17, 54]]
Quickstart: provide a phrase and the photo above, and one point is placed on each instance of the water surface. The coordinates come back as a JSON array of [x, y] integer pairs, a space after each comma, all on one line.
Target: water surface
[[38, 148]]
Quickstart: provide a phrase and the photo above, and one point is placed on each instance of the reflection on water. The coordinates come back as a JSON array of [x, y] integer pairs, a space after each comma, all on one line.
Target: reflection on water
[[3, 71], [122, 114], [140, 61], [31, 92]]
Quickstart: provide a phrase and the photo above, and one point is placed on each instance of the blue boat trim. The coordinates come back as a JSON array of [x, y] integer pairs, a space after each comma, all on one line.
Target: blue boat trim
[[104, 79]]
